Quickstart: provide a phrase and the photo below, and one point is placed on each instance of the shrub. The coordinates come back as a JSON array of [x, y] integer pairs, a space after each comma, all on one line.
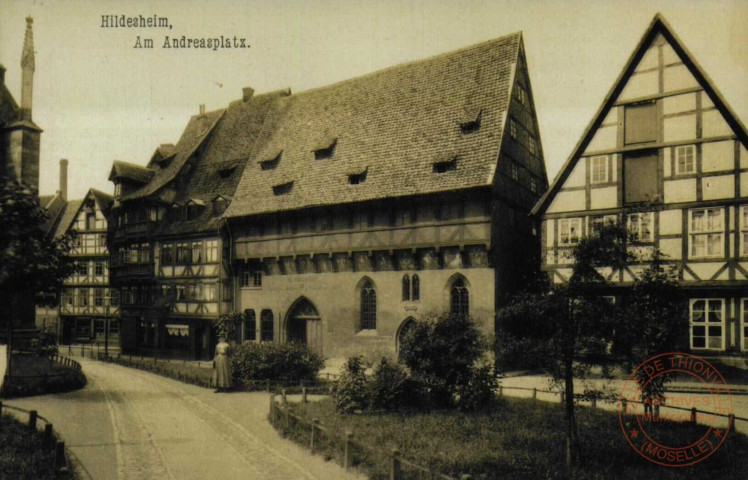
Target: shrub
[[441, 352], [274, 361], [351, 391], [479, 391], [65, 380], [390, 388]]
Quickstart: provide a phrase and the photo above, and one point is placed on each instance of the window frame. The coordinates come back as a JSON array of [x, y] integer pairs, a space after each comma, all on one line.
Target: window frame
[[693, 234], [459, 298], [569, 242], [368, 317], [267, 325], [677, 152], [594, 162], [706, 324], [513, 129], [637, 229]]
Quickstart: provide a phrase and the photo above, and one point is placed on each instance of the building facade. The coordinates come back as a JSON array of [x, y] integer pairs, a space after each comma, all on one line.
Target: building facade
[[374, 202], [666, 154], [169, 255]]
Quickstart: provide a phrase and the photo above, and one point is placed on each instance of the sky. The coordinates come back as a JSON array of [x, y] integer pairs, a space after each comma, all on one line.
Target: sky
[[99, 99]]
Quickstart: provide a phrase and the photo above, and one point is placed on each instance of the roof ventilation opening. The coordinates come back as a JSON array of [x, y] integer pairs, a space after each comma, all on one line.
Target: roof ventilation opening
[[271, 163], [325, 152], [445, 166], [247, 93], [226, 172], [357, 178], [282, 189], [471, 126]]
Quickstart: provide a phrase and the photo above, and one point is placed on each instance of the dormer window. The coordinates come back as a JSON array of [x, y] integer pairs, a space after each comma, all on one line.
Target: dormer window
[[282, 189], [325, 152], [219, 205], [117, 190], [226, 172], [271, 163], [357, 178], [445, 166], [471, 126]]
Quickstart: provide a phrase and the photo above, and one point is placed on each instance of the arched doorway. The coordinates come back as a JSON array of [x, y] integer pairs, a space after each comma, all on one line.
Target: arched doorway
[[405, 327], [302, 322]]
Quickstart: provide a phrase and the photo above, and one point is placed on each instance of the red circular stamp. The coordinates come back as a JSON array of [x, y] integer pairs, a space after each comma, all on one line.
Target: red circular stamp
[[675, 429]]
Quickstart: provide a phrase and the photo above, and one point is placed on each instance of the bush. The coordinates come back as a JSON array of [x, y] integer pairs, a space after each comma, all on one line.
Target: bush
[[479, 391], [390, 387], [441, 352], [351, 391], [274, 361], [63, 381]]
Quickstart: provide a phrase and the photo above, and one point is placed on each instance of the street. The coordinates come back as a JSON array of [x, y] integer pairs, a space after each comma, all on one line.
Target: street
[[129, 424]]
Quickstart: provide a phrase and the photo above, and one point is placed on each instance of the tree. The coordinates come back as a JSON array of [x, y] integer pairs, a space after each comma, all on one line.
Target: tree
[[566, 329], [30, 261]]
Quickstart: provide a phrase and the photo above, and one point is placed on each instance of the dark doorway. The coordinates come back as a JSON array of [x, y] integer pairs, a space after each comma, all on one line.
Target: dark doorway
[[302, 312], [405, 327]]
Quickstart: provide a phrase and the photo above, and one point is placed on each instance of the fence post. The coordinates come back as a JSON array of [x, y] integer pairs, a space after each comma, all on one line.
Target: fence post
[[395, 472], [693, 415], [283, 395], [287, 418], [563, 397], [594, 402], [32, 419], [303, 394], [267, 385], [60, 461], [534, 393], [348, 451], [315, 422], [48, 432], [272, 410]]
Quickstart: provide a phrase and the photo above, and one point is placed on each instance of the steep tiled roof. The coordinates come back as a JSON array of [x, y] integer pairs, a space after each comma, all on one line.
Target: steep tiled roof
[[54, 204], [198, 128], [394, 124], [67, 217], [103, 199], [130, 171]]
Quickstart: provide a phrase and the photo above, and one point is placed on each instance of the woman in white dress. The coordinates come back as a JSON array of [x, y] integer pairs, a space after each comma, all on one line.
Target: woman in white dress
[[221, 369]]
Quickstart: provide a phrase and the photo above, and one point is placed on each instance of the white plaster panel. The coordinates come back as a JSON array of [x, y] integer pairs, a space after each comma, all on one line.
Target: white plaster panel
[[706, 102], [679, 128], [677, 78], [713, 125], [606, 197], [743, 157], [605, 139], [679, 103], [705, 271], [713, 188], [668, 55], [671, 222], [649, 60], [641, 85], [612, 116], [744, 184], [550, 232], [717, 156], [672, 248], [667, 155], [614, 167], [680, 190], [576, 178], [568, 202]]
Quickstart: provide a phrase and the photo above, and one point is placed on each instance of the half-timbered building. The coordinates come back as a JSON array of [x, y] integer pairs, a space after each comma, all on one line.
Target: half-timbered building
[[666, 154], [372, 202]]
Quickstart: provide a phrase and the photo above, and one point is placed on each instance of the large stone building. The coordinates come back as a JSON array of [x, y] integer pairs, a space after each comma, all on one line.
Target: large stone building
[[369, 203], [85, 309], [19, 159], [352, 209], [666, 154]]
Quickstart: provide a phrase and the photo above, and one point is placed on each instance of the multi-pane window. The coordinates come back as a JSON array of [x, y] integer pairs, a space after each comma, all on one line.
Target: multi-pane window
[[183, 253], [181, 293], [459, 304], [685, 159], [210, 292], [416, 292], [599, 169], [514, 170], [251, 276], [83, 297], [250, 325], [513, 129], [98, 297], [521, 95], [167, 255], [744, 230], [145, 252], [707, 230], [117, 190], [211, 251], [266, 326], [641, 226], [102, 240], [368, 306], [569, 231], [197, 253], [598, 222], [531, 145], [707, 323], [406, 288], [533, 185]]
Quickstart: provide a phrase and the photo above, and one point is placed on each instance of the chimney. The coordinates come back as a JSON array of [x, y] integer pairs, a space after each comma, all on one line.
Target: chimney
[[27, 68], [202, 109], [64, 179], [247, 93], [2, 74]]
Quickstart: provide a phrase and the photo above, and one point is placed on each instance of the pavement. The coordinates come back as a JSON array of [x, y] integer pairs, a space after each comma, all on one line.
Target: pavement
[[130, 424]]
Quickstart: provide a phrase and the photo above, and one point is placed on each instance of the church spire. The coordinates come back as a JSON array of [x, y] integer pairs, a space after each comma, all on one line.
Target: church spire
[[28, 65]]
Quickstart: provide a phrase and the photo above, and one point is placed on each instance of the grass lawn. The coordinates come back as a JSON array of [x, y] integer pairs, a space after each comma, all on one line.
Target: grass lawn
[[37, 375], [519, 439], [24, 454]]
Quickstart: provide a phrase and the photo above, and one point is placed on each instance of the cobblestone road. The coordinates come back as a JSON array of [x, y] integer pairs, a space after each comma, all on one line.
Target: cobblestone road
[[128, 424]]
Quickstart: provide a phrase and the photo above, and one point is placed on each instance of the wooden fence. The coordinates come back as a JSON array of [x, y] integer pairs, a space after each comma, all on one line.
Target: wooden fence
[[351, 452], [61, 466]]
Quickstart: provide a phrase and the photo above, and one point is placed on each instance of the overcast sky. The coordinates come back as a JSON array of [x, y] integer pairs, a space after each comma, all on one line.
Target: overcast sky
[[98, 99]]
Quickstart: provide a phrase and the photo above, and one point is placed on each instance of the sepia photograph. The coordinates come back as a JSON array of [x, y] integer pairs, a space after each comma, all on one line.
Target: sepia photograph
[[384, 240]]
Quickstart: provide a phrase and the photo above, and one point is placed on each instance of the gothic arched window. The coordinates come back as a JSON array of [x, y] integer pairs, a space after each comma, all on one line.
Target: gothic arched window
[[406, 288], [250, 325], [266, 326], [459, 304], [416, 295], [368, 306]]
